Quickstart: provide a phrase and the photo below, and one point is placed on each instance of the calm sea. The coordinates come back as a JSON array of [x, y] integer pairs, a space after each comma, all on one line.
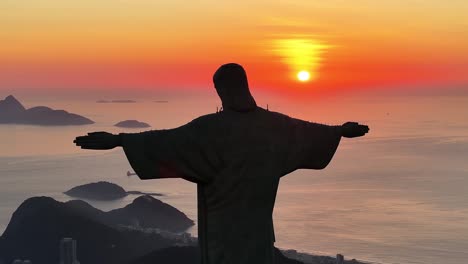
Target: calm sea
[[399, 195]]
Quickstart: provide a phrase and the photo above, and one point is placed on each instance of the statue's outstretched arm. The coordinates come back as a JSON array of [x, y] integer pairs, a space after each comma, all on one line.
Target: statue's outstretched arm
[[312, 146]]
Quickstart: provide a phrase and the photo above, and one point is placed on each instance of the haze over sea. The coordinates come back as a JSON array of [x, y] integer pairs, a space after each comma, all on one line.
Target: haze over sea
[[398, 195]]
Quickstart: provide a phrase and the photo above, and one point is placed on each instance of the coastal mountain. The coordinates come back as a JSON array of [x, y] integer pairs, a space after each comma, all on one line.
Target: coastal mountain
[[13, 112], [132, 124], [39, 223]]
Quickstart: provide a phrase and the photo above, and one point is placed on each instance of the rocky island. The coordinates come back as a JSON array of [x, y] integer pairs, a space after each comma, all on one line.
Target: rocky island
[[132, 124], [97, 191], [125, 101], [13, 112], [103, 191]]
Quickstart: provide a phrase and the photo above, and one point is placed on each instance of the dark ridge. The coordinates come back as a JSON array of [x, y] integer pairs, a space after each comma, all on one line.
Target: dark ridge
[[148, 212]]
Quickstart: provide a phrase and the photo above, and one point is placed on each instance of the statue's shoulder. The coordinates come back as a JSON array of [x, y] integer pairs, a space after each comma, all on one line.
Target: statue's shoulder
[[203, 121], [283, 120], [205, 118], [275, 115]]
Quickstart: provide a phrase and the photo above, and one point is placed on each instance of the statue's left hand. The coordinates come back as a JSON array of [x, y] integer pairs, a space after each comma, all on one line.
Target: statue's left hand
[[98, 140]]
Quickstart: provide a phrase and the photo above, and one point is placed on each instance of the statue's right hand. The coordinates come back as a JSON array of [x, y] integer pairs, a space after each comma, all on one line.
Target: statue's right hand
[[98, 140], [354, 129]]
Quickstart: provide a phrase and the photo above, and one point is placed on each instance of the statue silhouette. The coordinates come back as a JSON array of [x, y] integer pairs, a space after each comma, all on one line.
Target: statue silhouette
[[236, 157]]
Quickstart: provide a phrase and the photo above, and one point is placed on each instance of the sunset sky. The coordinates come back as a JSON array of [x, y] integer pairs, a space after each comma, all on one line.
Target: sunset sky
[[178, 44]]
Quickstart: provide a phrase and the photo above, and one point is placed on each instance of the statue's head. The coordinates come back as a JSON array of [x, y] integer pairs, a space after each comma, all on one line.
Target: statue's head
[[230, 81]]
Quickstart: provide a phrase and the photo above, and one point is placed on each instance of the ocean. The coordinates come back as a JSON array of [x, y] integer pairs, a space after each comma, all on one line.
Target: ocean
[[398, 195]]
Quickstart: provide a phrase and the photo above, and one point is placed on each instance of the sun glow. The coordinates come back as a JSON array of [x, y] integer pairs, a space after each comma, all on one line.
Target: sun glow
[[303, 76], [300, 54]]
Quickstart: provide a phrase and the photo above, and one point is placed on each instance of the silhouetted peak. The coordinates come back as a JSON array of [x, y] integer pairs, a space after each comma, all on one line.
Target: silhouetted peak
[[80, 206], [28, 209], [12, 104], [10, 98], [147, 203], [37, 202], [146, 200], [150, 212], [85, 209]]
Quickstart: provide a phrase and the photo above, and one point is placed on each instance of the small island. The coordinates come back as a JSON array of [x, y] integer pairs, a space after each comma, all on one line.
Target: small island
[[13, 112], [132, 124], [125, 101], [97, 191], [103, 191]]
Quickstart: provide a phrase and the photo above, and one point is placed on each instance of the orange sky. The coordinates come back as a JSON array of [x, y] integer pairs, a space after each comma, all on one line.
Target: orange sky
[[143, 44]]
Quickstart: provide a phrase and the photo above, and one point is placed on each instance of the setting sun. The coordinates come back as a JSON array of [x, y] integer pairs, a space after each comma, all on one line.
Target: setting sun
[[303, 76]]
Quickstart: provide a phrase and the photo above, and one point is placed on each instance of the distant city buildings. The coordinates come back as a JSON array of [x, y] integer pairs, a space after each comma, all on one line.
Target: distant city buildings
[[68, 251], [180, 239]]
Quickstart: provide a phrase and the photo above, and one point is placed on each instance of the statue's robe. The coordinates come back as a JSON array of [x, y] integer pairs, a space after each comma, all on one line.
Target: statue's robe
[[236, 159]]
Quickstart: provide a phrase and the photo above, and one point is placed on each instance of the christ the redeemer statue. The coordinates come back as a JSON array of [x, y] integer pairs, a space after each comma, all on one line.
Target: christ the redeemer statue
[[236, 157]]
